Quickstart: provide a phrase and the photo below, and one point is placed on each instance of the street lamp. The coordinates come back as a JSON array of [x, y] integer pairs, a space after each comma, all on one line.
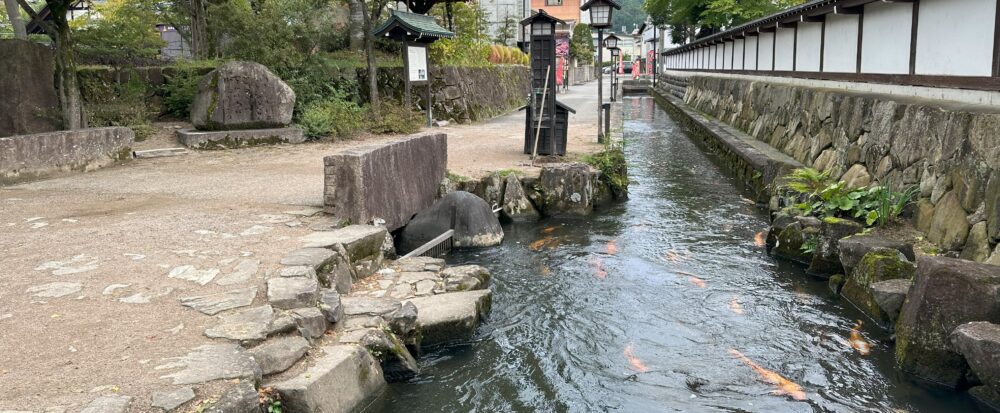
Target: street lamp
[[615, 55], [600, 19]]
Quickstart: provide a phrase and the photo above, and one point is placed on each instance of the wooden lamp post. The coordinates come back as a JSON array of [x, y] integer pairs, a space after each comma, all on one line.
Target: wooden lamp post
[[546, 120]]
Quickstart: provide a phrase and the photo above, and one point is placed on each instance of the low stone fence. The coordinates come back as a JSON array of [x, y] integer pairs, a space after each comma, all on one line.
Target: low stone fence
[[390, 181], [41, 155], [951, 151]]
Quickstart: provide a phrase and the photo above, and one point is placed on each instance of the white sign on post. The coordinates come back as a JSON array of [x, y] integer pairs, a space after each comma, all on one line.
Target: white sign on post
[[417, 62]]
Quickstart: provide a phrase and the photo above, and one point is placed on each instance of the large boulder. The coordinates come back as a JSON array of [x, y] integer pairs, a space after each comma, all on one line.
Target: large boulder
[[515, 203], [568, 189], [979, 343], [946, 294], [790, 238], [949, 226], [242, 95], [880, 264], [853, 248], [472, 219]]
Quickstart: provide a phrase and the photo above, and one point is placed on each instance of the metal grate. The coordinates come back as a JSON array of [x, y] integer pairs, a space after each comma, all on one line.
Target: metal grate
[[435, 247]]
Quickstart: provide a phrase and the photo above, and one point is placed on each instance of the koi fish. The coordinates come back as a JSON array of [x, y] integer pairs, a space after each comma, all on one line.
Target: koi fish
[[760, 239], [612, 247], [857, 342], [672, 256], [748, 201], [538, 244], [545, 270], [548, 230], [599, 271], [784, 386], [546, 242], [735, 306], [634, 362], [700, 283]]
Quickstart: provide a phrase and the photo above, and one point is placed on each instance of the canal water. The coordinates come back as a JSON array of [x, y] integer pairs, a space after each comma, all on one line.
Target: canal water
[[643, 307]]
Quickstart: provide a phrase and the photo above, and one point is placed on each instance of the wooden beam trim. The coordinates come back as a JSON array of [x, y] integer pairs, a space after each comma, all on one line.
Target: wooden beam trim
[[915, 11]]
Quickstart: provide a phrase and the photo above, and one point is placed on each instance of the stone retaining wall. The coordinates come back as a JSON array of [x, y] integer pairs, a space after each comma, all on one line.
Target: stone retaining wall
[[463, 94], [949, 150], [41, 155]]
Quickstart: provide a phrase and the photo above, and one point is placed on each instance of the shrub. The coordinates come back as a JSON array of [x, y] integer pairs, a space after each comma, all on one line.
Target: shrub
[[180, 85], [614, 168], [505, 55], [394, 118], [332, 117], [109, 103], [822, 197]]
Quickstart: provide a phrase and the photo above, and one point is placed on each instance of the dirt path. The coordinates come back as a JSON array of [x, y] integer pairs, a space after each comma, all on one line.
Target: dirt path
[[88, 306]]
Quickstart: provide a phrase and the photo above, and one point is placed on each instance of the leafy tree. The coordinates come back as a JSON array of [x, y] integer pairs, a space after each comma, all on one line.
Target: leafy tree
[[67, 79], [507, 31], [581, 46], [692, 19], [120, 32], [729, 13]]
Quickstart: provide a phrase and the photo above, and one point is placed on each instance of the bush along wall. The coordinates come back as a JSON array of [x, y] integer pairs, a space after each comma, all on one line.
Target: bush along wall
[[463, 94]]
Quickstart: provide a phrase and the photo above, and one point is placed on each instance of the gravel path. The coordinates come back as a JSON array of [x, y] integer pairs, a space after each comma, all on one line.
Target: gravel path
[[94, 265]]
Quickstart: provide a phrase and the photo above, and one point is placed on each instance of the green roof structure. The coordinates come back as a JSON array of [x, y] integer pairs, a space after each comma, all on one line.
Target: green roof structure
[[412, 26]]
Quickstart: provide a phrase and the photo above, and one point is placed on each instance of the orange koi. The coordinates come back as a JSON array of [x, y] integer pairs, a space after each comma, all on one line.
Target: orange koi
[[857, 342], [784, 386], [760, 239], [548, 230], [612, 247], [634, 362], [599, 271], [546, 242], [700, 283], [673, 257], [735, 306]]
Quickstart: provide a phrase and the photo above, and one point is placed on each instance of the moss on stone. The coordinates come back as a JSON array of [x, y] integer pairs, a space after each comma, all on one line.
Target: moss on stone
[[229, 143]]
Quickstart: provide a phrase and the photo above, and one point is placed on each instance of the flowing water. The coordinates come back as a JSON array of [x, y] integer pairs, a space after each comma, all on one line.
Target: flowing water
[[642, 307]]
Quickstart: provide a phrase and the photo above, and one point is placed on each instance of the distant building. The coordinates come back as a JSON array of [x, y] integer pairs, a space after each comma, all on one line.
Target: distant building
[[505, 15], [176, 47]]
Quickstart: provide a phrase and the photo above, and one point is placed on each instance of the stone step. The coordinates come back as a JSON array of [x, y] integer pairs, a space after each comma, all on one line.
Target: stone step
[[452, 317], [344, 379], [159, 153]]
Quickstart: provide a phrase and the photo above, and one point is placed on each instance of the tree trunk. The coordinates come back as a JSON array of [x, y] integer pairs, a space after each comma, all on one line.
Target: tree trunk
[[356, 26], [70, 100], [14, 15], [373, 96]]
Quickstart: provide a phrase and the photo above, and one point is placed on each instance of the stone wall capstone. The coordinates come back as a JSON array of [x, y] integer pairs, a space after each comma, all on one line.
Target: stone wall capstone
[[391, 181], [27, 85], [950, 151]]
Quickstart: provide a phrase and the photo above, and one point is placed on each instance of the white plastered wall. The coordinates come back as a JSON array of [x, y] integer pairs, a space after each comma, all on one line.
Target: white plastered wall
[[885, 43]]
